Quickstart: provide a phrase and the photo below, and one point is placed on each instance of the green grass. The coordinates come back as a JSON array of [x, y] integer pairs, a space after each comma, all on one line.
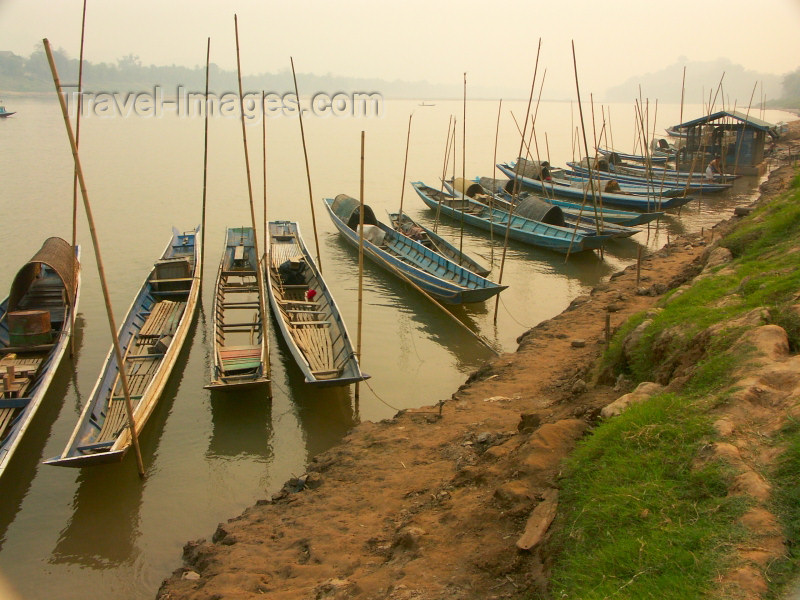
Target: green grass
[[641, 520], [644, 513]]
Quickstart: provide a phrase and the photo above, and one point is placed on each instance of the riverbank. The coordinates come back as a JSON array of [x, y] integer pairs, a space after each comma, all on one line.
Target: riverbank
[[437, 502]]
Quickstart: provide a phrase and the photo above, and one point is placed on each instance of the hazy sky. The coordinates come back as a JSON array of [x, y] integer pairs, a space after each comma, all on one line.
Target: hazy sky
[[427, 40]]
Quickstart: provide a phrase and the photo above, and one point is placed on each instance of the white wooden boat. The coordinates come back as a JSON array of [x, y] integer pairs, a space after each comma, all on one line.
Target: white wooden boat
[[240, 346], [151, 337], [35, 330], [306, 312]]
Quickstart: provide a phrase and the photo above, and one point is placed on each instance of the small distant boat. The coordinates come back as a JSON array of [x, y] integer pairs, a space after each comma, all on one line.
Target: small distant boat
[[4, 112], [151, 337], [35, 329], [306, 312], [240, 346], [655, 157], [530, 231], [438, 276], [426, 104], [677, 131], [428, 238]]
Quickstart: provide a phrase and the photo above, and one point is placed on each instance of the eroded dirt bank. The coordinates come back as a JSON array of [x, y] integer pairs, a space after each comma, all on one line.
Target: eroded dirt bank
[[427, 506]]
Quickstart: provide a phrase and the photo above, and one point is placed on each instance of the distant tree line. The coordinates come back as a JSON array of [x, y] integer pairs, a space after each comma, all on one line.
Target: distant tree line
[[32, 74], [791, 92]]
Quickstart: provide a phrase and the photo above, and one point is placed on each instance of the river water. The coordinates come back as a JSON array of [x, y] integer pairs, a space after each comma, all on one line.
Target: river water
[[103, 532]]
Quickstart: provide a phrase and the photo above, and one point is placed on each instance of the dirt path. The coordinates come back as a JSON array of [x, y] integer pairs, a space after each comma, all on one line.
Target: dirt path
[[429, 507]]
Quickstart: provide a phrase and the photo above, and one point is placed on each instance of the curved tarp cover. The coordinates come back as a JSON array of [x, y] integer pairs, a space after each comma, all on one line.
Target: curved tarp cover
[[539, 210], [56, 254], [495, 185], [469, 188], [347, 208], [533, 169]]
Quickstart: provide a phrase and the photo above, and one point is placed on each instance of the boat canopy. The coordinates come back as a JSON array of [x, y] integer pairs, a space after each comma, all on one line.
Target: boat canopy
[[347, 209], [538, 210], [468, 188], [57, 254], [532, 169]]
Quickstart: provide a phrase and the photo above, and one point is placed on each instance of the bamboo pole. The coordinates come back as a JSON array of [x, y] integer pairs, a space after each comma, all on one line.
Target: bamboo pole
[[583, 130], [361, 260], [75, 265], [444, 172], [463, 168], [741, 138], [205, 169], [101, 271], [259, 270], [494, 167], [308, 172], [264, 168], [405, 167], [516, 185]]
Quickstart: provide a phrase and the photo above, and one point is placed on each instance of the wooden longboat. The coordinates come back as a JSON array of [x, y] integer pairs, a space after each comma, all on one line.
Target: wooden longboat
[[311, 324], [240, 346], [535, 207], [655, 176], [151, 337], [655, 157], [528, 231], [617, 216], [35, 329], [646, 203], [438, 276], [430, 239]]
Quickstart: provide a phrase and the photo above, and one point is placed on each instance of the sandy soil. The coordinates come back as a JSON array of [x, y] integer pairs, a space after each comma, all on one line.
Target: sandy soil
[[449, 501]]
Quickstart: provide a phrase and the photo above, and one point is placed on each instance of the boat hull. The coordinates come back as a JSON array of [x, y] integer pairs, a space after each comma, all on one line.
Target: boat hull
[[315, 334], [444, 290], [37, 391], [102, 434]]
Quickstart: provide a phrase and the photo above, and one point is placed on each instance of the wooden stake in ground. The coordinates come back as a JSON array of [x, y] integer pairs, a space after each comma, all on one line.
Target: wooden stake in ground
[[259, 271], [101, 271]]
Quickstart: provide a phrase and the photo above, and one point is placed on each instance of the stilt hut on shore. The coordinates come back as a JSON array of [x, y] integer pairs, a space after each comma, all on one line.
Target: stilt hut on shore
[[738, 139]]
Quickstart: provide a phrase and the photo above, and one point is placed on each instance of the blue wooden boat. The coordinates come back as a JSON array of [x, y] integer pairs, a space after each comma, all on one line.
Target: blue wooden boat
[[609, 215], [656, 157], [654, 177], [532, 206], [607, 182], [430, 239], [647, 203], [35, 329], [151, 337], [240, 346], [529, 231], [441, 278], [306, 312]]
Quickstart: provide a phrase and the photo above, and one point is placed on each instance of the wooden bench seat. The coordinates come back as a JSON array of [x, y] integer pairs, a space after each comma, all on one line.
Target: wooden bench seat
[[237, 358]]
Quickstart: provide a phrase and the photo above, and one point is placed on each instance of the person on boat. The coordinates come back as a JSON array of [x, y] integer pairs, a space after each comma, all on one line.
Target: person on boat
[[713, 168], [291, 271], [310, 295]]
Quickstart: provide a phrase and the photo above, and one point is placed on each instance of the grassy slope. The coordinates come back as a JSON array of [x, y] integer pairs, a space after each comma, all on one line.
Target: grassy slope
[[643, 514]]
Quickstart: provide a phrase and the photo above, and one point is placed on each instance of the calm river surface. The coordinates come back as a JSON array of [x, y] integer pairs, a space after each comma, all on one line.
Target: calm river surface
[[103, 532]]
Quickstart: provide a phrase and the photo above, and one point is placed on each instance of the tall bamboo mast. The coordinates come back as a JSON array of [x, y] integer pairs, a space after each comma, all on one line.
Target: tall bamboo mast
[[308, 172], [516, 186], [99, 259], [361, 258], [405, 167], [259, 270], [75, 265], [205, 166]]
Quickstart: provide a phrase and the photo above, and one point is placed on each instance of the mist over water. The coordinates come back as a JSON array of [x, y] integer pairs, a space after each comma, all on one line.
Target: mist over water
[[103, 532]]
